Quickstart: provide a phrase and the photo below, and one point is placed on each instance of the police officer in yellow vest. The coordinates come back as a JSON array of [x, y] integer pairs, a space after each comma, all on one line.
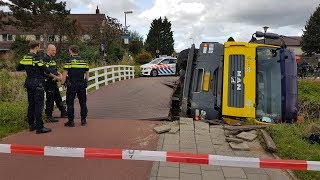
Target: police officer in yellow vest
[[51, 86], [34, 84], [77, 70]]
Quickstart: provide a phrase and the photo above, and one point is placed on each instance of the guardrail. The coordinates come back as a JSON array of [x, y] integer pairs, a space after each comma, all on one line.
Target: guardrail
[[107, 75]]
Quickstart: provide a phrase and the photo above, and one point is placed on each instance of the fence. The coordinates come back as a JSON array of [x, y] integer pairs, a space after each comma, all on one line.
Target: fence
[[103, 76]]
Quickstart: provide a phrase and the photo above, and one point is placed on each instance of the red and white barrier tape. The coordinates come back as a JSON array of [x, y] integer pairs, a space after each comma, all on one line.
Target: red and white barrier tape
[[216, 160]]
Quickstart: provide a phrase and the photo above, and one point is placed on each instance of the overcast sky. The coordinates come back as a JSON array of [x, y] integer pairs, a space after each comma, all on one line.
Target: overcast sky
[[207, 20]]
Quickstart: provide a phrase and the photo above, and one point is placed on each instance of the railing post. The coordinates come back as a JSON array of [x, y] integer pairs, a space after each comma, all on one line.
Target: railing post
[[119, 73], [113, 75], [96, 73], [106, 75], [133, 73], [128, 72], [125, 73]]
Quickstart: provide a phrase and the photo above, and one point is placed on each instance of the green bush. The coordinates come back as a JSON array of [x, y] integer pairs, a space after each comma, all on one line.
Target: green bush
[[144, 57], [309, 99], [11, 87], [137, 71], [13, 104], [116, 54], [13, 117], [20, 45], [62, 55], [13, 113], [8, 61], [18, 49], [90, 53]]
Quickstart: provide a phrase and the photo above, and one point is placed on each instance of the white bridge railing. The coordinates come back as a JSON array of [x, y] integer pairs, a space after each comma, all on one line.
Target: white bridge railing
[[103, 76]]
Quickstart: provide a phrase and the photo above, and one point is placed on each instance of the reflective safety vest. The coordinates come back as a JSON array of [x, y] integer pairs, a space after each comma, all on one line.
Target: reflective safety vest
[[51, 63], [30, 61], [76, 64]]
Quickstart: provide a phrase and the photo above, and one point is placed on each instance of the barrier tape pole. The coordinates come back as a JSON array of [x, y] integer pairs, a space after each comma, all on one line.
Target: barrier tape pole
[[163, 156]]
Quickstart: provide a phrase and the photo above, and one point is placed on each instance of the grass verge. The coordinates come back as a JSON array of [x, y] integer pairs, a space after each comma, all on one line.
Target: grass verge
[[292, 145], [290, 138], [13, 104], [309, 99], [12, 117]]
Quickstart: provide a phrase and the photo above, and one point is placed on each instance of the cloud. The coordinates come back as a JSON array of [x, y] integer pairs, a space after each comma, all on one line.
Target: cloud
[[112, 8], [207, 20], [266, 12]]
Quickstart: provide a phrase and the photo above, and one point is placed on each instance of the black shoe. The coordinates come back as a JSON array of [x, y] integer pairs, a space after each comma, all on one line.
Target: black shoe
[[83, 122], [69, 124], [31, 128], [52, 119], [43, 130], [63, 114]]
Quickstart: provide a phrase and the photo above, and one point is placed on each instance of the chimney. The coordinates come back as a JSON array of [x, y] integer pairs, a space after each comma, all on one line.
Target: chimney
[[97, 10]]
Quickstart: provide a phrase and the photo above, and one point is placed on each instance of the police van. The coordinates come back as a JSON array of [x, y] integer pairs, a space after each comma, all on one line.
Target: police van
[[164, 65]]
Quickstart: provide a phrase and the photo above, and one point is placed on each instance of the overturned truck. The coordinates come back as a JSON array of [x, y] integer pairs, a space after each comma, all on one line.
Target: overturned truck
[[239, 80]]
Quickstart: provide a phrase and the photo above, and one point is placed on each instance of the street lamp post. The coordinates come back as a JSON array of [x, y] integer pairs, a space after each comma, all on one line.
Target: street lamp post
[[191, 38], [265, 28], [158, 51], [126, 40], [125, 19]]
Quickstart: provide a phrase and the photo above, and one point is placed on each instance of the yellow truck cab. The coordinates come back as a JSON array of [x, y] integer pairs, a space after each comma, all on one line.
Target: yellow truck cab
[[241, 80]]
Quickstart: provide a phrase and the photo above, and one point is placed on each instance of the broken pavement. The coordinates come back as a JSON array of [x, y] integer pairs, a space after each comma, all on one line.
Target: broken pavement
[[202, 138]]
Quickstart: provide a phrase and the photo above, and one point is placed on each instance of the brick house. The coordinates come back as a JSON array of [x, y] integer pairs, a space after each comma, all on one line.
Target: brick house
[[293, 42], [84, 24]]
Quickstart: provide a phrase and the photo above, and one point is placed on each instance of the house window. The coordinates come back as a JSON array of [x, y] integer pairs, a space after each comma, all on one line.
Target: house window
[[7, 37], [38, 38], [51, 38]]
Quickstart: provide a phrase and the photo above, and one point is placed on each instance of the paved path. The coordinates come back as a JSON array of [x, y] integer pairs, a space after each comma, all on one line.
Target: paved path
[[142, 98], [198, 137], [112, 123]]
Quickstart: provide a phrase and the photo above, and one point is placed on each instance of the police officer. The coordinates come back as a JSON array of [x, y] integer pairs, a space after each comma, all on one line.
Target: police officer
[[36, 71], [51, 87], [304, 67], [318, 69], [77, 70]]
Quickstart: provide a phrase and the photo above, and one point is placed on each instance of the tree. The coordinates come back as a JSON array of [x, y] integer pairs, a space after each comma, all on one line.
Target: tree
[[48, 17], [136, 44], [144, 57], [311, 36], [116, 53], [2, 15], [20, 46], [160, 37], [109, 33]]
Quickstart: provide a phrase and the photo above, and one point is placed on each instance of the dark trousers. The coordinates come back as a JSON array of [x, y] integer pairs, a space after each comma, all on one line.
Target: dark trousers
[[35, 106], [76, 89], [52, 95]]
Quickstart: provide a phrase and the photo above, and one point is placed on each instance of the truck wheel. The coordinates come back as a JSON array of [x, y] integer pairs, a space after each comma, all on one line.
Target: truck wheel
[[154, 73]]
